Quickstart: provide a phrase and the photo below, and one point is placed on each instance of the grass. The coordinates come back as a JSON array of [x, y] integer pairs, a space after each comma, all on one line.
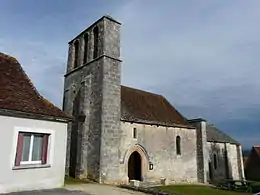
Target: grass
[[71, 180], [197, 190]]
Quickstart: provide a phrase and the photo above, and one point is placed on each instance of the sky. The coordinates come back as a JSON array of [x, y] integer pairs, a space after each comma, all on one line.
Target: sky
[[202, 55]]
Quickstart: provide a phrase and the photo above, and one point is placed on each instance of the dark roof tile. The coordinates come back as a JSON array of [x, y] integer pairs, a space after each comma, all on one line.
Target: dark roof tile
[[216, 135], [19, 94], [142, 106]]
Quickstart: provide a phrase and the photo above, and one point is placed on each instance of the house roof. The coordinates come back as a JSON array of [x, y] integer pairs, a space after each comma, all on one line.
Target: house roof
[[145, 107], [216, 135], [17, 93], [257, 149]]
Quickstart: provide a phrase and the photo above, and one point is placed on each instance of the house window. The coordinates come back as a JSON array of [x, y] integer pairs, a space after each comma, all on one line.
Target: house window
[[134, 133], [95, 52], [215, 161], [76, 52], [32, 148], [178, 145], [85, 47]]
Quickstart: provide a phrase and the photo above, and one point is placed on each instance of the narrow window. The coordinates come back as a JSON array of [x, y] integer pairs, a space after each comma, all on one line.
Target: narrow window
[[76, 51], [85, 48], [95, 52], [178, 145], [134, 133], [32, 148], [215, 161]]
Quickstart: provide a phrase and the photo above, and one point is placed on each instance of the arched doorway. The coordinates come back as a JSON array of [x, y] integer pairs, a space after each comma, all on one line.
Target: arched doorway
[[135, 167]]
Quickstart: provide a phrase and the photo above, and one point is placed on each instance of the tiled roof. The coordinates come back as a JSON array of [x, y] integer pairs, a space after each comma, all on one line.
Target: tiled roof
[[216, 135], [17, 93], [145, 107], [257, 149]]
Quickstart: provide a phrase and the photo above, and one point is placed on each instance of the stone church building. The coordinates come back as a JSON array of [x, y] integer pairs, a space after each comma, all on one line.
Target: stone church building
[[121, 134]]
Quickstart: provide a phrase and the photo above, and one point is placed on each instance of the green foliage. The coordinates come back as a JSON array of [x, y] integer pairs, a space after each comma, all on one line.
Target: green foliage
[[71, 180], [197, 190]]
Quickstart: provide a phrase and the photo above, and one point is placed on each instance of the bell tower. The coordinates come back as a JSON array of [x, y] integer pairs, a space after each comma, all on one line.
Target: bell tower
[[92, 94]]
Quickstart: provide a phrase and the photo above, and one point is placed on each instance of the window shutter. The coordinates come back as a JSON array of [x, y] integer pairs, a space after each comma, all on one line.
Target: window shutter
[[19, 149], [45, 149]]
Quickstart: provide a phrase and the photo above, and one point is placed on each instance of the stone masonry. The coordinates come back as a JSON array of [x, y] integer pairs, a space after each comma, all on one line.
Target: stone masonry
[[157, 145], [202, 152], [94, 136], [101, 143]]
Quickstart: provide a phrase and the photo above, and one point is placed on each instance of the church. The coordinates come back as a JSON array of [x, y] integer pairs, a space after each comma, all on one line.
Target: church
[[121, 134]]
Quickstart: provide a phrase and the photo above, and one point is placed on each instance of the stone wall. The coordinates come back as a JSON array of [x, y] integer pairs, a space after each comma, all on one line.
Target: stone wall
[[228, 161], [92, 96], [202, 152], [157, 144], [85, 83], [234, 159]]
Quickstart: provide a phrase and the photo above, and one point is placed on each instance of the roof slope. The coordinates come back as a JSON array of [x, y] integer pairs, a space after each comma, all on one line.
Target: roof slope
[[142, 106], [17, 93], [216, 135], [257, 149]]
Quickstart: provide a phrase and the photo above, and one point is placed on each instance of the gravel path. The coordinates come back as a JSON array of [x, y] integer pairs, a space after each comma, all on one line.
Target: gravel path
[[98, 189], [50, 192], [82, 189]]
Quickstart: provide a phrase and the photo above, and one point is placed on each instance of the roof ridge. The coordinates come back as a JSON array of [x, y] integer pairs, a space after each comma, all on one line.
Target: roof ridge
[[31, 101], [9, 57], [141, 90], [22, 70], [165, 99], [30, 82], [142, 105], [213, 127], [34, 88]]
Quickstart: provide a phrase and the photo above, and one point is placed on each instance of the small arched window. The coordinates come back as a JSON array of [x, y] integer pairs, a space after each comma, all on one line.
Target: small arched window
[[134, 133], [76, 52], [215, 161], [178, 145], [95, 32], [85, 47]]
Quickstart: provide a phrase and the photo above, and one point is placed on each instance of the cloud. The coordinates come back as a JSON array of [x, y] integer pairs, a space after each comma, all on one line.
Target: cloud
[[202, 55]]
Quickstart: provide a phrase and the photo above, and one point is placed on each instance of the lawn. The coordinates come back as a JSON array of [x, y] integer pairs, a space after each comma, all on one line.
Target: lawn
[[70, 180], [197, 190]]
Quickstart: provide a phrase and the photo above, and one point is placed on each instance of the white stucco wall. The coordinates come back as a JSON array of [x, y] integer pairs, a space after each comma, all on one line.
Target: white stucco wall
[[34, 178], [160, 145]]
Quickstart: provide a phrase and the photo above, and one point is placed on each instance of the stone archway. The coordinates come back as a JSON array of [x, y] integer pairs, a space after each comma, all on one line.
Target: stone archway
[[144, 160], [135, 166]]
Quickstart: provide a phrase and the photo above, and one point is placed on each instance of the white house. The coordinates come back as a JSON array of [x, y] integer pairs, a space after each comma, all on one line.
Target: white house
[[34, 133]]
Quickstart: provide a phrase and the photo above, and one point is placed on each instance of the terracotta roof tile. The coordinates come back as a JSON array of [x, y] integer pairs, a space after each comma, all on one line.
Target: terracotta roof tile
[[257, 149], [142, 106], [19, 94]]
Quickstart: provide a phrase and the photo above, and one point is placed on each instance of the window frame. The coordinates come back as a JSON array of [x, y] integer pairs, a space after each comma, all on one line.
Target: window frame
[[30, 161], [49, 150]]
